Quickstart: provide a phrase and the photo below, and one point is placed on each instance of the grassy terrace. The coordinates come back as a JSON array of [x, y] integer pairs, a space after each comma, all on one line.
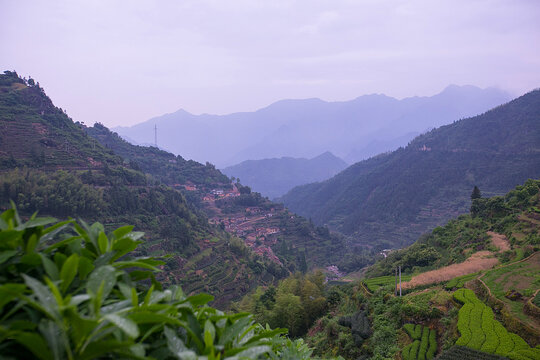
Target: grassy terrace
[[523, 277]]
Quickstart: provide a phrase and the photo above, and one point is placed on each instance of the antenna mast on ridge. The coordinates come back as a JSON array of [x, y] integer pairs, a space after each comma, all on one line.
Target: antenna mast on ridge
[[155, 135]]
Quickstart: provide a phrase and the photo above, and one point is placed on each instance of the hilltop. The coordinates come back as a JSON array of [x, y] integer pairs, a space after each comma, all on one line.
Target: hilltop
[[275, 177], [392, 198]]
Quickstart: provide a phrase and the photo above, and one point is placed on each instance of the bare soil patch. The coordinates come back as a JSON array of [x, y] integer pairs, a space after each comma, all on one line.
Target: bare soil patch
[[499, 240], [480, 260]]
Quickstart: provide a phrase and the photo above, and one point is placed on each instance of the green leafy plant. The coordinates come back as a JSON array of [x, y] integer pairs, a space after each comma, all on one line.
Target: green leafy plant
[[70, 291]]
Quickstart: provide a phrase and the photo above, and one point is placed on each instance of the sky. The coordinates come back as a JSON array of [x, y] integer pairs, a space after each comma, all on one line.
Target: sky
[[121, 62]]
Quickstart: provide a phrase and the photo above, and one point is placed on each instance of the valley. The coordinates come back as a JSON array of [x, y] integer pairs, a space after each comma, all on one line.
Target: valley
[[334, 289]]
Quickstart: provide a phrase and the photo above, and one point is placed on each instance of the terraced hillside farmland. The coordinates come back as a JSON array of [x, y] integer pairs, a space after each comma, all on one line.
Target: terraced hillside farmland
[[480, 331], [514, 284]]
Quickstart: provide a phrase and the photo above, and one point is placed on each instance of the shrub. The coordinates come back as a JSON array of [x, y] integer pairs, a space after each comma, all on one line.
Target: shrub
[[432, 344], [464, 317], [423, 344], [506, 344], [417, 332], [406, 351], [413, 354], [409, 328], [492, 340]]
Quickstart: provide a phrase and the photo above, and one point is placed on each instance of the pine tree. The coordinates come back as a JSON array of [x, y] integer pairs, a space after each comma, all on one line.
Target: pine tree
[[476, 194]]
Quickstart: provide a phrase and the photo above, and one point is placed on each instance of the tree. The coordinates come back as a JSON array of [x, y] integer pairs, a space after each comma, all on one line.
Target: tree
[[476, 194]]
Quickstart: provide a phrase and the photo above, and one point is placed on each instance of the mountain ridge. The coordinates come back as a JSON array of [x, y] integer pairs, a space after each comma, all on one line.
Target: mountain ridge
[[340, 127]]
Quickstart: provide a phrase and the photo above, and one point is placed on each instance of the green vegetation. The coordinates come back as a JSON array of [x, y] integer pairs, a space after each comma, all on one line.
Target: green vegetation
[[459, 282], [66, 294], [374, 283], [38, 134], [512, 215], [424, 345], [378, 200], [166, 167], [511, 283], [296, 302], [536, 300], [480, 331], [359, 324]]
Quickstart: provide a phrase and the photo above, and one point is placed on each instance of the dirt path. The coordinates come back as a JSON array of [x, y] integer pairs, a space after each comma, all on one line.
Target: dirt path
[[499, 240], [481, 260]]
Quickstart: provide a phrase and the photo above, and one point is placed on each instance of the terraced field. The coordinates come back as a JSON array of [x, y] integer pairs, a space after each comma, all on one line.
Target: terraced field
[[522, 277], [459, 282], [374, 283], [480, 331]]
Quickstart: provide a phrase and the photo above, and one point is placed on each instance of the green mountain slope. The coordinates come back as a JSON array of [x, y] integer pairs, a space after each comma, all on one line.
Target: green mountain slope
[[292, 239], [275, 177], [501, 318], [392, 198], [167, 167], [49, 164], [36, 133], [52, 165]]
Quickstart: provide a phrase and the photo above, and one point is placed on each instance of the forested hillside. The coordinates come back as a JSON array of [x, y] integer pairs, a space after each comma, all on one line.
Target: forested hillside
[[57, 167], [469, 290], [390, 199]]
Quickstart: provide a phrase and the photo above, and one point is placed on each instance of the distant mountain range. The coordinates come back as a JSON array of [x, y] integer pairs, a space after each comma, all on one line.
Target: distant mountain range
[[392, 198], [352, 130], [275, 177]]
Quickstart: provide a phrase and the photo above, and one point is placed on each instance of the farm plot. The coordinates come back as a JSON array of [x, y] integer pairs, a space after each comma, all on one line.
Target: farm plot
[[480, 331], [424, 345], [481, 260], [523, 278], [374, 283], [459, 282]]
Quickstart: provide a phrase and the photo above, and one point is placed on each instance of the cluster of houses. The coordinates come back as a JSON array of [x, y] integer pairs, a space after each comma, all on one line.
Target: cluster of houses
[[251, 223]]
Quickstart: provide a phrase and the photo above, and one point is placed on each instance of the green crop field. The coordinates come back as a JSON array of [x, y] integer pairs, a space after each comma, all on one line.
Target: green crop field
[[424, 345], [523, 277], [480, 331], [459, 282], [374, 283]]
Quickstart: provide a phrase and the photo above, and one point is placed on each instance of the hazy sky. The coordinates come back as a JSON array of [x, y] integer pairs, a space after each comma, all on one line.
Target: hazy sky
[[122, 62]]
